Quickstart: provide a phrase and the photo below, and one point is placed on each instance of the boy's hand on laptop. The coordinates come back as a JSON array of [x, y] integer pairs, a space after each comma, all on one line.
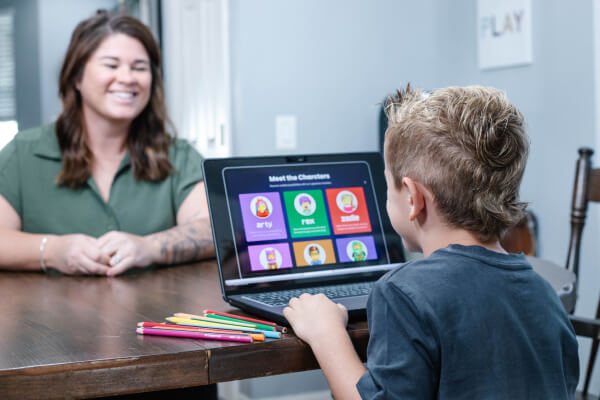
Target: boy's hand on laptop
[[314, 317]]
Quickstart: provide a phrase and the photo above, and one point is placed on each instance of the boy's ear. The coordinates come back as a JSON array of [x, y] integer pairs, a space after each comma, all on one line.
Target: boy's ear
[[416, 198]]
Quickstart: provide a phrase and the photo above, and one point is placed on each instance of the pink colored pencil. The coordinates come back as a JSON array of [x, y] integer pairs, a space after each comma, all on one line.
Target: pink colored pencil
[[195, 335], [256, 336], [159, 325]]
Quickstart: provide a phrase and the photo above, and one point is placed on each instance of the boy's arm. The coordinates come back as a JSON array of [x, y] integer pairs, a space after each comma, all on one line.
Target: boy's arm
[[340, 364], [322, 324]]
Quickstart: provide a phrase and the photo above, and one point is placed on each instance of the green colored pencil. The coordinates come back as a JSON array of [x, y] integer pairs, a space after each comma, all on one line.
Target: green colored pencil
[[258, 325]]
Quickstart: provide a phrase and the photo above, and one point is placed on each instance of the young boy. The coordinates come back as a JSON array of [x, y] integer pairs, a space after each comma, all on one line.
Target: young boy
[[468, 321]]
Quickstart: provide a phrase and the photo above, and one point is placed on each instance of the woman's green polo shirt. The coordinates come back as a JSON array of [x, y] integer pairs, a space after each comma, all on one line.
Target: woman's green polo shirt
[[30, 163]]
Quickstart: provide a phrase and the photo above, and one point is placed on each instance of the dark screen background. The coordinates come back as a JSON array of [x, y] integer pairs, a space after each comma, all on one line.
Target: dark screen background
[[256, 180]]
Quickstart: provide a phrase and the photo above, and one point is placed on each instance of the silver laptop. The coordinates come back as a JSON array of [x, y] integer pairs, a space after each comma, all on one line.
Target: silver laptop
[[286, 225]]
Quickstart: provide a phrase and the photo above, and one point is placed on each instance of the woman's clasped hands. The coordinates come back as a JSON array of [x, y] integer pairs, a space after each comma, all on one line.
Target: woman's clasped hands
[[110, 255]]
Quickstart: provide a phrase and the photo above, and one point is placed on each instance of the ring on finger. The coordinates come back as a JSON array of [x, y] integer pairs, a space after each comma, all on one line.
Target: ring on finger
[[115, 259]]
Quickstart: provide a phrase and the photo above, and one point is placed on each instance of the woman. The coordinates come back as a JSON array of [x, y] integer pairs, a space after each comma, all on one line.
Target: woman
[[104, 188]]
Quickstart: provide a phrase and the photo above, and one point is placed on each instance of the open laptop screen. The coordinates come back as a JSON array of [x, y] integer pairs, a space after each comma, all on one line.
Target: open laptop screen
[[303, 220]]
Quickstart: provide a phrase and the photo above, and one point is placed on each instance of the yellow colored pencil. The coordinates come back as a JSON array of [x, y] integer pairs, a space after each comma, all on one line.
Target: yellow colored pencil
[[203, 318]]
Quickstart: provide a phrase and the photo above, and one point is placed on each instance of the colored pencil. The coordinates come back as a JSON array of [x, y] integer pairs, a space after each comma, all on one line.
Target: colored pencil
[[256, 336], [215, 317], [195, 335], [207, 318], [259, 337], [239, 317], [204, 324], [278, 328]]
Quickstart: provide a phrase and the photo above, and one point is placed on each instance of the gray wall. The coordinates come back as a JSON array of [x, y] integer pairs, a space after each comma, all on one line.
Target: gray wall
[[55, 28], [331, 62]]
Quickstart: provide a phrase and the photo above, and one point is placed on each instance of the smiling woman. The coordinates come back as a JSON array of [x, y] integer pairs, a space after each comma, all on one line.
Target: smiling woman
[[105, 188], [116, 80]]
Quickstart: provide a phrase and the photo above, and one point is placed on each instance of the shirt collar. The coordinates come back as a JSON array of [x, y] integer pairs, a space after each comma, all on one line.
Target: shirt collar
[[125, 162], [47, 145]]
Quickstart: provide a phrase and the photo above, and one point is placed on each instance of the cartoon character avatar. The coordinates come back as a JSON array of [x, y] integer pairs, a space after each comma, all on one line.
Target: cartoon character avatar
[[348, 202], [315, 255], [271, 258], [358, 251], [262, 208], [305, 205]]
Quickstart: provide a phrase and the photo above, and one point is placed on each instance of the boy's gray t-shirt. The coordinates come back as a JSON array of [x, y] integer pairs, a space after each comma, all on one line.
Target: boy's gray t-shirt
[[468, 323]]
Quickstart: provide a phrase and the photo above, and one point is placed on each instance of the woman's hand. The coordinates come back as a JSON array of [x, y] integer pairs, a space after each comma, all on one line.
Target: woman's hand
[[314, 317], [76, 254], [125, 251]]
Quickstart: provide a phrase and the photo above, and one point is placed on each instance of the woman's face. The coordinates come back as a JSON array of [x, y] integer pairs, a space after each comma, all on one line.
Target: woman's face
[[116, 81]]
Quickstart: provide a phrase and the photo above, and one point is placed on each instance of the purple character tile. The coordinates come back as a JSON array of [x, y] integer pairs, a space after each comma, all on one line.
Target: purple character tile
[[270, 256], [262, 216], [358, 248]]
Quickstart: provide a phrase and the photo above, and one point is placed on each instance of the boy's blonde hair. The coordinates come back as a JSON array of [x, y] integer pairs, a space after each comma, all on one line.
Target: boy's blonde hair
[[468, 146]]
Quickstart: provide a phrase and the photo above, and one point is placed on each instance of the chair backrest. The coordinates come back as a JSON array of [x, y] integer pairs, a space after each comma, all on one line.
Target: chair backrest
[[522, 238], [586, 189]]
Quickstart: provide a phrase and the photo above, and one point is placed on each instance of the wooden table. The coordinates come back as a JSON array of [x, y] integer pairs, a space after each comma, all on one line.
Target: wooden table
[[75, 336]]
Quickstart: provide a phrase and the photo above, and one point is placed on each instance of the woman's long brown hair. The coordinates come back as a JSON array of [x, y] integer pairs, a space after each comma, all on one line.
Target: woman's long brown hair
[[148, 140]]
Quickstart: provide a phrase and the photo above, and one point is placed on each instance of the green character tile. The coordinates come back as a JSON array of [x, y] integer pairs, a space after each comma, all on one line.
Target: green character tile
[[306, 213]]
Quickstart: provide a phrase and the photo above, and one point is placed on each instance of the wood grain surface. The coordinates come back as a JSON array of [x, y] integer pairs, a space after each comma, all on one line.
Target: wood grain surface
[[74, 337]]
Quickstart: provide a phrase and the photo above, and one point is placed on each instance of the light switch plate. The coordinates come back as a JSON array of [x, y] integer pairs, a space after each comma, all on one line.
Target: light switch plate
[[285, 132]]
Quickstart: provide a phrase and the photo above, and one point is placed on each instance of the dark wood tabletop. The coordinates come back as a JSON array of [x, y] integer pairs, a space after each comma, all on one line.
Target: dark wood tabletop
[[75, 337]]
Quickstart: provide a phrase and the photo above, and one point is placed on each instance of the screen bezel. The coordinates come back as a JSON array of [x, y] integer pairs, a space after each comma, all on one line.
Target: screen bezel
[[221, 222]]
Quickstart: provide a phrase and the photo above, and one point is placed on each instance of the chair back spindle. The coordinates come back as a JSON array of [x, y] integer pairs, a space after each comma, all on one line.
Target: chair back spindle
[[586, 189], [579, 206]]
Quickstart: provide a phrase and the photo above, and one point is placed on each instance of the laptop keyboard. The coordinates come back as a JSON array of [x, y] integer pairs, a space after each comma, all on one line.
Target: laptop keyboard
[[282, 297]]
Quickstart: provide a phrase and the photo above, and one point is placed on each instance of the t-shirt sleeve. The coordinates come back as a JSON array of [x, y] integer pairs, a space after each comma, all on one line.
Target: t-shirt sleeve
[[188, 170], [9, 176], [402, 352]]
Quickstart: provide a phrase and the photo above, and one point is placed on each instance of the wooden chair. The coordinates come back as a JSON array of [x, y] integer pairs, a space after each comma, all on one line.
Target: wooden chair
[[586, 189], [522, 238]]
